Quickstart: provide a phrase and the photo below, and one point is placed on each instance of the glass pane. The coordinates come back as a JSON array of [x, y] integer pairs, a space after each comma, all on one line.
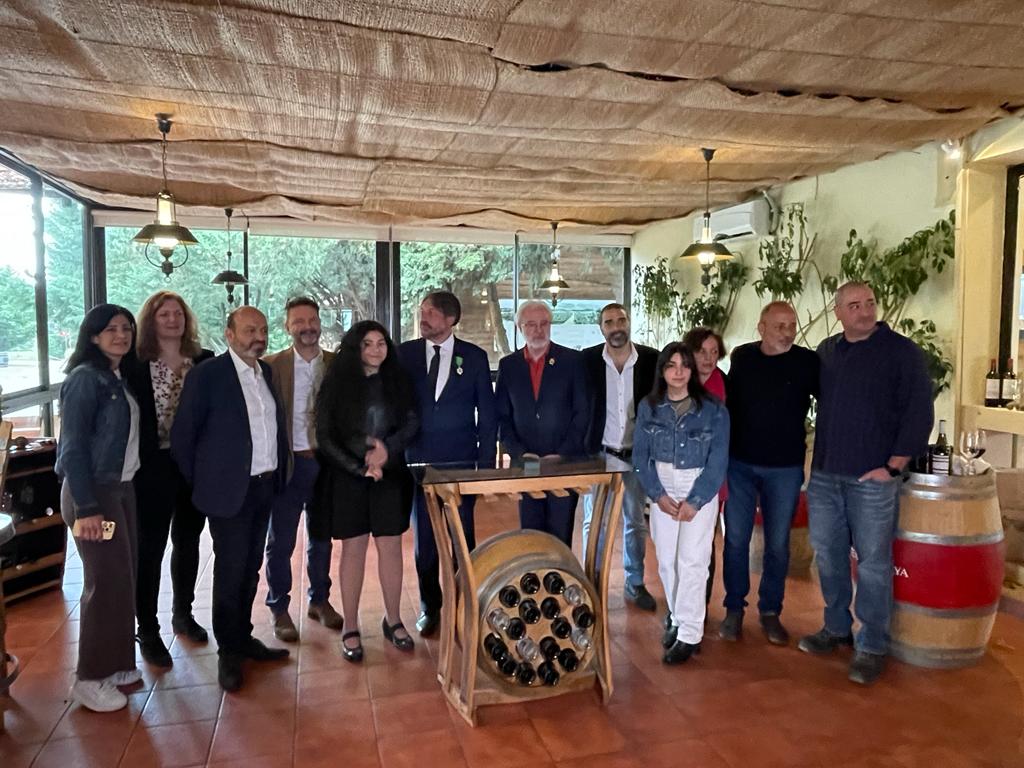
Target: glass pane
[[65, 276], [19, 356], [340, 275], [28, 422], [594, 275], [480, 275]]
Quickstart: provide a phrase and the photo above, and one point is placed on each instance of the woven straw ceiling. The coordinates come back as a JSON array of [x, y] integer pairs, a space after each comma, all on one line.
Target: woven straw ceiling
[[494, 113]]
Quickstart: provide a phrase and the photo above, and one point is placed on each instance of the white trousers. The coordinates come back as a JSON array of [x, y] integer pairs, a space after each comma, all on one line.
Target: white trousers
[[684, 553]]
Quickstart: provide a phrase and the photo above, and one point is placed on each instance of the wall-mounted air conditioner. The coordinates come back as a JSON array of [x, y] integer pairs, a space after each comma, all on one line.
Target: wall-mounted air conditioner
[[746, 220]]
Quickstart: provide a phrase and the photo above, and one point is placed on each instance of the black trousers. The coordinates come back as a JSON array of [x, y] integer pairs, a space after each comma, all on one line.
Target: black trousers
[[165, 507], [238, 544], [554, 514], [427, 562]]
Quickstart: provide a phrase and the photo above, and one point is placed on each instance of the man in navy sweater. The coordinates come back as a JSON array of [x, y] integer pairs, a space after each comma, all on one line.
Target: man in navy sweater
[[452, 380], [543, 409], [875, 412]]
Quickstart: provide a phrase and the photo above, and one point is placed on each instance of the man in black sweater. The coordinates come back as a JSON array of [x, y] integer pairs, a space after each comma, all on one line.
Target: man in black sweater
[[768, 393], [874, 413]]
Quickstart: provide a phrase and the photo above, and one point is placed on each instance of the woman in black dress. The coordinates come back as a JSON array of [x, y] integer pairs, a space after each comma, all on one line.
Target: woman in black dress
[[365, 418]]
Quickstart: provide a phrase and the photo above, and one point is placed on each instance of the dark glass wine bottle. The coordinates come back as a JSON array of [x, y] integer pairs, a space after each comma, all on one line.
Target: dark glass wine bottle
[[550, 608], [568, 659], [1008, 384], [528, 611], [940, 455], [549, 647], [561, 627], [494, 646], [516, 629], [530, 584], [583, 616], [509, 596], [526, 674], [993, 386], [554, 583], [548, 674], [508, 665]]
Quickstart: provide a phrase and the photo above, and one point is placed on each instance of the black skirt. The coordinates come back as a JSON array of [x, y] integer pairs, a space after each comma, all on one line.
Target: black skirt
[[345, 506]]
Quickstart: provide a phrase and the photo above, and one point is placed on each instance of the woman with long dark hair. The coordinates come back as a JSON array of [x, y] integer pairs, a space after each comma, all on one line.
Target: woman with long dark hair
[[680, 451], [167, 349], [365, 419], [97, 457]]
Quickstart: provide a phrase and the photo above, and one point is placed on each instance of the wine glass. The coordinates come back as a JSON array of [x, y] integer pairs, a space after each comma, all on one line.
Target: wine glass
[[972, 447]]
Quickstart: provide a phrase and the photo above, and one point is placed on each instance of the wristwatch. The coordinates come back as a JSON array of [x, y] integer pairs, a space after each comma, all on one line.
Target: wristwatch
[[893, 472]]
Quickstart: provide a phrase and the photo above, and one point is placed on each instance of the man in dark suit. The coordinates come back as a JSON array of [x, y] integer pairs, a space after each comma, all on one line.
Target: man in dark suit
[[543, 409], [230, 441], [620, 375], [452, 380], [297, 374]]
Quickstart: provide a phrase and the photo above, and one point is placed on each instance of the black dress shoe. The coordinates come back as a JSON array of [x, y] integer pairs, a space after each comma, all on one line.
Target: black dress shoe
[[255, 649], [680, 652], [427, 624], [401, 643], [190, 628], [229, 672], [153, 650], [668, 639], [355, 653], [640, 597]]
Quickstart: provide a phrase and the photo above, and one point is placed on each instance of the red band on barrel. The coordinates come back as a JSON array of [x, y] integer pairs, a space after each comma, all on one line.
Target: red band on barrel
[[942, 576]]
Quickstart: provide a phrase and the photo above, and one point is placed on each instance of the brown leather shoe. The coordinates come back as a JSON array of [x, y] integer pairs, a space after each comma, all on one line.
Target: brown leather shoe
[[324, 613], [284, 628]]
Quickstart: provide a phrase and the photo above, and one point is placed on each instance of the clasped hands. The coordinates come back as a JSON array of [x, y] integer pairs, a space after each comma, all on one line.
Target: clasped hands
[[376, 457], [678, 510]]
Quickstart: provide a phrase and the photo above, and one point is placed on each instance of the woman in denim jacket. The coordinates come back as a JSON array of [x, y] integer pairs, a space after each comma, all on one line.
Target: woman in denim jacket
[[97, 456], [680, 451]]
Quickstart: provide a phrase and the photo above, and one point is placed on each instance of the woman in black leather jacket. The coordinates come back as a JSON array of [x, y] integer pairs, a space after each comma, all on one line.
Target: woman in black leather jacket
[[365, 419]]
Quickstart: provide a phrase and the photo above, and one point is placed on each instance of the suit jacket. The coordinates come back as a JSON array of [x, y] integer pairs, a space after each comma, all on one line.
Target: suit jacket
[[555, 421], [282, 367], [211, 440], [141, 382], [461, 425], [643, 382]]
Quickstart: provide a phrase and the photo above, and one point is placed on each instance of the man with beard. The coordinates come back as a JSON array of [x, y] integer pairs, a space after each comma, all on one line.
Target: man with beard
[[543, 409], [452, 380], [620, 375], [297, 374], [229, 440]]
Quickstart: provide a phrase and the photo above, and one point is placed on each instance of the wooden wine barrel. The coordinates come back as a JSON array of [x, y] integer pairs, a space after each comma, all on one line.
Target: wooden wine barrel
[[948, 569], [800, 552]]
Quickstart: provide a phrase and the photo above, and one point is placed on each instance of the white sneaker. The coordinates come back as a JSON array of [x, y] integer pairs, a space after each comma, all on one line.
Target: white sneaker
[[125, 677], [98, 695]]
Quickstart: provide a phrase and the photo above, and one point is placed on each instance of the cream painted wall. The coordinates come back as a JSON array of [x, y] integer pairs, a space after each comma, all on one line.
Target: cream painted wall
[[886, 200]]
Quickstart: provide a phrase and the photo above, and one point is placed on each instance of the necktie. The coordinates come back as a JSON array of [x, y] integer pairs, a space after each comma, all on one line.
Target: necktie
[[432, 371]]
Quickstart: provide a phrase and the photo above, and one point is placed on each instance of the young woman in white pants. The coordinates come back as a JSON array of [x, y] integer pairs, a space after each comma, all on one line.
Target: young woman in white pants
[[680, 452]]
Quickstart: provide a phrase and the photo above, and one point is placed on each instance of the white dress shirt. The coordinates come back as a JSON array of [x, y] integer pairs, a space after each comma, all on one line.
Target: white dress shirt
[[307, 381], [620, 412], [131, 449], [262, 410], [447, 350]]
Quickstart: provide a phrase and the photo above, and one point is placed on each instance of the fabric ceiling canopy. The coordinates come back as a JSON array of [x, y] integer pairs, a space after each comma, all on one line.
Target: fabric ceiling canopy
[[504, 114]]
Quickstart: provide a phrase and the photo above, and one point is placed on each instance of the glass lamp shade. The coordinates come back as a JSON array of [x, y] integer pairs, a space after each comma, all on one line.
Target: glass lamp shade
[[707, 253], [165, 233], [229, 277]]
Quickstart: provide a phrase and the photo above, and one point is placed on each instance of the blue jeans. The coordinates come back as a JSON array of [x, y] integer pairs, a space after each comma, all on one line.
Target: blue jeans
[[284, 525], [844, 511], [779, 490], [634, 528]]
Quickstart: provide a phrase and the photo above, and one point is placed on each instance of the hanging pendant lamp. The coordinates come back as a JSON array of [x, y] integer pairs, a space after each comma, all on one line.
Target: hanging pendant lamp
[[229, 278], [706, 250], [554, 283], [165, 234]]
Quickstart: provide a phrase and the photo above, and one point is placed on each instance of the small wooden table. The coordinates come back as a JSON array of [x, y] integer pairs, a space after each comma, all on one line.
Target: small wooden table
[[462, 623]]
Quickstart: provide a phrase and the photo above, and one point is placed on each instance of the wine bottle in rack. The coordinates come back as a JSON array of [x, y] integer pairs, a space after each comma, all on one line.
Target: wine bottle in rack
[[526, 674], [516, 629], [529, 583], [583, 616], [528, 611], [554, 583], [498, 620], [508, 665], [561, 628], [581, 639], [548, 674], [568, 659], [550, 608], [574, 595], [527, 649], [509, 596], [549, 647], [993, 385], [494, 646]]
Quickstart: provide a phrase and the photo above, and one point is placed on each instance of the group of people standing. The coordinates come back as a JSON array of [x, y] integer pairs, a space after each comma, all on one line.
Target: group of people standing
[[159, 436]]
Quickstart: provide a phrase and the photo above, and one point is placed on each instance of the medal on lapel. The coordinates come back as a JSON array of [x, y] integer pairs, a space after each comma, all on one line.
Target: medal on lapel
[[458, 365], [551, 361]]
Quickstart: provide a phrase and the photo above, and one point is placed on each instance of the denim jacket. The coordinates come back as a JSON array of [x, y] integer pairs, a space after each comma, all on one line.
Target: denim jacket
[[697, 440], [95, 421]]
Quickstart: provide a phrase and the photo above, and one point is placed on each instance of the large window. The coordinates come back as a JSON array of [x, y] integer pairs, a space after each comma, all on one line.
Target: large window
[[65, 276], [19, 351]]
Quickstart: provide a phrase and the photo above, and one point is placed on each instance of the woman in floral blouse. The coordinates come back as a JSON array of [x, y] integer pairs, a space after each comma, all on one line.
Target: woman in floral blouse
[[168, 348]]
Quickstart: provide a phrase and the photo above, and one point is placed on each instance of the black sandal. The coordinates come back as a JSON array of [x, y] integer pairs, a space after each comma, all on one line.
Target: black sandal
[[352, 654], [401, 643]]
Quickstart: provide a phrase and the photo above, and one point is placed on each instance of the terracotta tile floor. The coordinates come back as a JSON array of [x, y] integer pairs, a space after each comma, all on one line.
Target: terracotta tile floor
[[735, 706]]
